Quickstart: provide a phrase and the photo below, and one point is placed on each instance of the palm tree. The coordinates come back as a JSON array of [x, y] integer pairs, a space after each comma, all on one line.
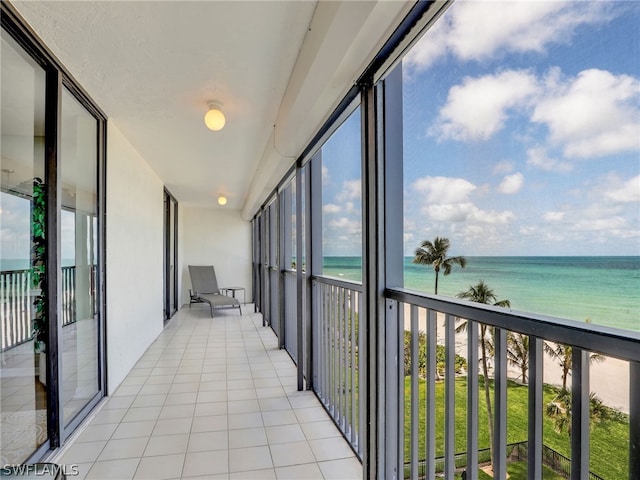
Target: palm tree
[[559, 410], [481, 293], [518, 352], [435, 254], [562, 354]]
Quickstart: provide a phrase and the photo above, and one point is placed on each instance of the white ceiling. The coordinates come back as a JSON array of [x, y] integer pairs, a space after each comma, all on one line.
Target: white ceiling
[[151, 66]]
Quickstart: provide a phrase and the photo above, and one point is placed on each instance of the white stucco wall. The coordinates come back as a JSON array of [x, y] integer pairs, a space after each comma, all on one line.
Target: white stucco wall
[[134, 256], [218, 237]]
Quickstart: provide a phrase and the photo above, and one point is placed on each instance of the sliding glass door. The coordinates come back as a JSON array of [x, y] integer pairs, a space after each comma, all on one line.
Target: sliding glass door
[[23, 383], [51, 244], [79, 320]]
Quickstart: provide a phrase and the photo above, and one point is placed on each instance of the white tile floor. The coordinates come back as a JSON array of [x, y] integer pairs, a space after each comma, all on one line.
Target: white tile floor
[[214, 399]]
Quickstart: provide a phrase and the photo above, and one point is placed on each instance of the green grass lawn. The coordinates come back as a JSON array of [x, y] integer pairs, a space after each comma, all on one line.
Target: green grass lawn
[[609, 439]]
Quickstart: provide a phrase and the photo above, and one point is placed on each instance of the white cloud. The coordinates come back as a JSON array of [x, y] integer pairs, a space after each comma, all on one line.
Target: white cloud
[[492, 217], [350, 191], [594, 114], [444, 190], [502, 168], [511, 184], [331, 208], [480, 30], [477, 108], [553, 216], [528, 230], [346, 225], [537, 157], [605, 208], [446, 199], [449, 212], [628, 192], [600, 224]]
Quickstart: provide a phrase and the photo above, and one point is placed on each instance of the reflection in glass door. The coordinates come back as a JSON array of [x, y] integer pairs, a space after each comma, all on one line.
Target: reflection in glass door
[[79, 246], [23, 389]]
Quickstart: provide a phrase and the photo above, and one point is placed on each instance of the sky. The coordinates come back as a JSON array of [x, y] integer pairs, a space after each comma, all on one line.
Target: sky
[[521, 134], [15, 231], [521, 124]]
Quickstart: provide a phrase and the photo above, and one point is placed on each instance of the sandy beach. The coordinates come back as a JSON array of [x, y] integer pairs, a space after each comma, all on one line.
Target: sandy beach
[[609, 379]]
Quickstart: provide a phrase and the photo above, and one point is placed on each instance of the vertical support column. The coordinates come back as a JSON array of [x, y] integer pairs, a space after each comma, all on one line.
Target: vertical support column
[[313, 223], [284, 256], [273, 267], [300, 283], [264, 273], [449, 397], [634, 420], [432, 337], [389, 138], [355, 298], [500, 413], [580, 405], [53, 272], [254, 247], [255, 242], [472, 400], [257, 293], [373, 286], [397, 462], [394, 446], [536, 378], [415, 367], [314, 219]]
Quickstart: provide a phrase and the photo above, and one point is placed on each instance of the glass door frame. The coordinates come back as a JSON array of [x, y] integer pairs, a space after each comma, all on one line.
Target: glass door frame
[[57, 78], [170, 255]]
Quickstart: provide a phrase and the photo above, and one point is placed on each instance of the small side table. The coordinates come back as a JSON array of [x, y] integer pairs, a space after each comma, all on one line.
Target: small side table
[[233, 291]]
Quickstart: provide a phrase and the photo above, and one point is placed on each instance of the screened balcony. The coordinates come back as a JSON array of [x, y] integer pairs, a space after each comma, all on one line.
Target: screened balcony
[[430, 400], [358, 136]]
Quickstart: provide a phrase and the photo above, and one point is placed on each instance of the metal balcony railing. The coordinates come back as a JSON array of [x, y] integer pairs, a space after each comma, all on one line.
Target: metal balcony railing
[[337, 364], [411, 402], [289, 313], [15, 308], [517, 452], [423, 353], [16, 303]]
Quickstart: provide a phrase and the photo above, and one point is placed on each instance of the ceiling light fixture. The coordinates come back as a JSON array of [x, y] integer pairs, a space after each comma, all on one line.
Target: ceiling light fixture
[[214, 118], [222, 200]]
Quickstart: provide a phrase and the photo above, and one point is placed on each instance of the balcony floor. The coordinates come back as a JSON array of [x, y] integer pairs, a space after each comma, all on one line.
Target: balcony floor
[[216, 399]]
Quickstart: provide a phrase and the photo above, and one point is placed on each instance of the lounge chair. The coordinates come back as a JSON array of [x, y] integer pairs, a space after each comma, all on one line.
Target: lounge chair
[[205, 289]]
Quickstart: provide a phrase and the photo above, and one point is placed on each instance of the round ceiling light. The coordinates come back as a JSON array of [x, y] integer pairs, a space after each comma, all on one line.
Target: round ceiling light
[[222, 200], [214, 118]]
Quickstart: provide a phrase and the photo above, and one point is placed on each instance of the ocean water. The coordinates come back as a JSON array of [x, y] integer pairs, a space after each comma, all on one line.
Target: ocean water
[[13, 264], [24, 264], [602, 290]]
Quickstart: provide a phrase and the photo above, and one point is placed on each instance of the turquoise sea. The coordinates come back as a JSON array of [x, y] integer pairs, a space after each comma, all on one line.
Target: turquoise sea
[[603, 290]]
